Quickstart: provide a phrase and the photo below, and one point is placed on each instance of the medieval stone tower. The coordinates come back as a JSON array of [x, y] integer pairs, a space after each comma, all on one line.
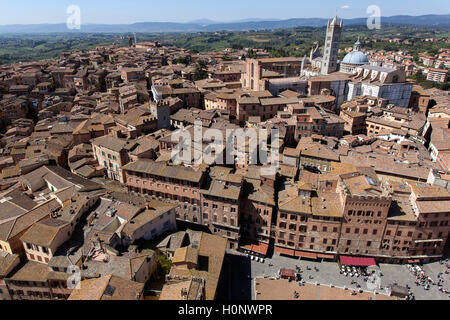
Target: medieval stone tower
[[331, 50]]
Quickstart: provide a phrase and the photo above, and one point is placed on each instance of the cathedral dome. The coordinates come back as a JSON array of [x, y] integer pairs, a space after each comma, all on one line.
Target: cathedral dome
[[356, 57]]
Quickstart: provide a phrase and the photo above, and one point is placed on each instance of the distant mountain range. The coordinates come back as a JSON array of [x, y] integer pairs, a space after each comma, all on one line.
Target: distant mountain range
[[206, 25]]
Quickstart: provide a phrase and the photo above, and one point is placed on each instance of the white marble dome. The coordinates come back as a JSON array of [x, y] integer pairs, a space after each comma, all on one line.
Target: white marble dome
[[356, 57]]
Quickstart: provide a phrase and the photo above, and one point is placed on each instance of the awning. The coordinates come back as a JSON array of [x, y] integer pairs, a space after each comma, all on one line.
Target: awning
[[357, 261], [287, 273], [288, 252], [325, 256], [304, 254], [414, 261], [260, 248]]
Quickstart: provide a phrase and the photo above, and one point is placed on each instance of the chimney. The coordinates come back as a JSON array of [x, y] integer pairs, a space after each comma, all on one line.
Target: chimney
[[184, 293]]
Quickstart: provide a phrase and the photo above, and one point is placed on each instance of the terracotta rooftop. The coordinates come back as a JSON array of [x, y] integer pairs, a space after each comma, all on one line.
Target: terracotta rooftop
[[163, 170]]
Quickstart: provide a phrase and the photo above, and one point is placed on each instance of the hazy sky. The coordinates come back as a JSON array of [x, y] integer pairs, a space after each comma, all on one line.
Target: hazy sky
[[129, 11]]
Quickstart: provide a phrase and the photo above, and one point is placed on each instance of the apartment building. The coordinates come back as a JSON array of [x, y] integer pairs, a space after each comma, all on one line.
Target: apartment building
[[12, 230], [204, 260], [352, 212], [365, 206], [220, 204], [8, 263], [112, 153], [314, 153], [155, 220], [257, 206], [177, 183], [37, 281], [437, 75], [44, 238]]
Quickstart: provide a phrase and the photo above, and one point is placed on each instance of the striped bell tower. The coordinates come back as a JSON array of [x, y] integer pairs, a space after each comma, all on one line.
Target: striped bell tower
[[331, 50]]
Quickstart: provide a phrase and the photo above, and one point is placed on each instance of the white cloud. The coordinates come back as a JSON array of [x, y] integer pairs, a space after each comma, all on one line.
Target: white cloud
[[345, 7]]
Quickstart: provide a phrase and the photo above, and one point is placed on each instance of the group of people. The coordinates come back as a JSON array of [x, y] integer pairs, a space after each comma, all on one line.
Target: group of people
[[423, 280], [410, 296], [441, 282], [299, 272], [352, 271]]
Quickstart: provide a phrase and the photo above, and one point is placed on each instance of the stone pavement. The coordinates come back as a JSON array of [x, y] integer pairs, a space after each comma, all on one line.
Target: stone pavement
[[329, 274], [268, 289]]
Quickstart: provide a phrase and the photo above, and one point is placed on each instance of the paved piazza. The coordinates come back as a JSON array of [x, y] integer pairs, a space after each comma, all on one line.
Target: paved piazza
[[268, 289], [329, 274]]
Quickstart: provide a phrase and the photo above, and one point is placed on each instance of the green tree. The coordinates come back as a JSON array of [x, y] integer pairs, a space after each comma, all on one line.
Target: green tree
[[164, 264], [201, 70], [251, 53]]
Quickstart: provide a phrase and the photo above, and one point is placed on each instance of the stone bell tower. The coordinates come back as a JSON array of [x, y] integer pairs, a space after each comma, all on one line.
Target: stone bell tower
[[331, 50]]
